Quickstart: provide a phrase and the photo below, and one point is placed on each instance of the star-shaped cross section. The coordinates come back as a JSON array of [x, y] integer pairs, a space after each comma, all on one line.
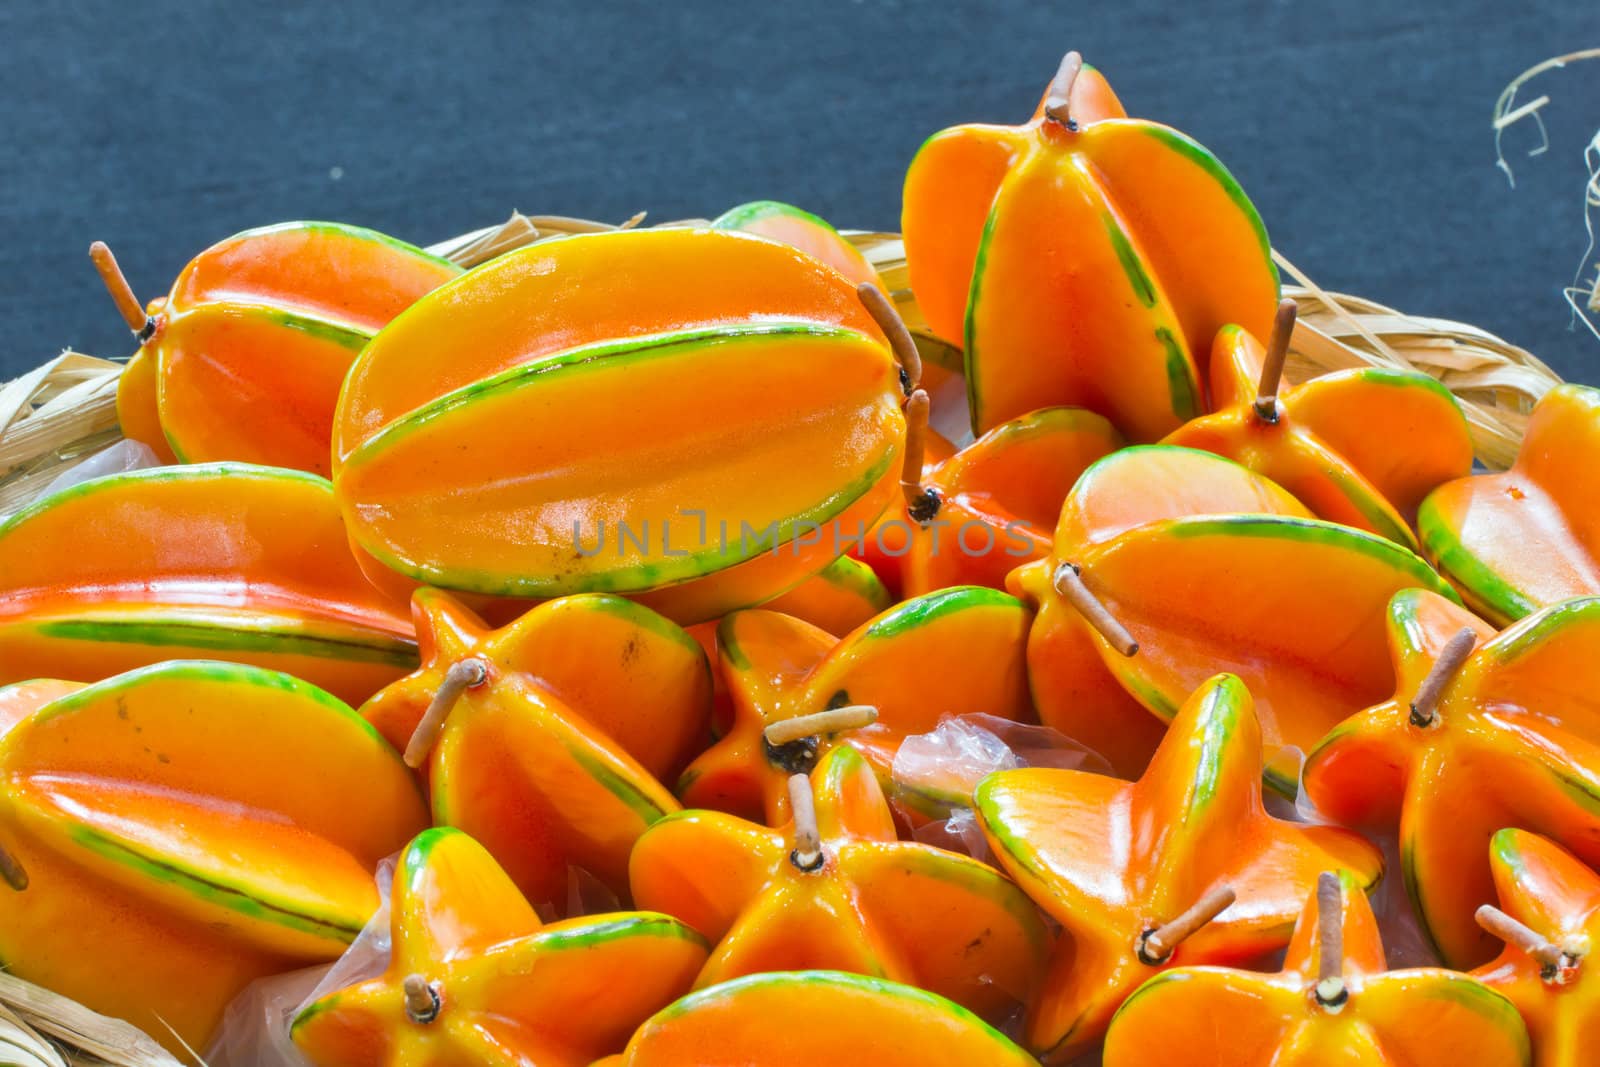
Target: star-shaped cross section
[[836, 890], [1483, 732], [474, 977], [1184, 865], [1334, 1001]]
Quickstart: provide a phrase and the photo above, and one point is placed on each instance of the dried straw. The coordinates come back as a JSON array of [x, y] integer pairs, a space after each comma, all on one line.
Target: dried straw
[[23, 1046], [53, 418], [1496, 382], [39, 1028], [480, 246], [1583, 295]]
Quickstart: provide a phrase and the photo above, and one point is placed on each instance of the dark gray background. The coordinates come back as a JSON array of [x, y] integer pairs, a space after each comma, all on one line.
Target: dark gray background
[[1360, 128]]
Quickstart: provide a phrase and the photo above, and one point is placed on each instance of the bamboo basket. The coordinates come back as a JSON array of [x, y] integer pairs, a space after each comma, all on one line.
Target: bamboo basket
[[64, 412]]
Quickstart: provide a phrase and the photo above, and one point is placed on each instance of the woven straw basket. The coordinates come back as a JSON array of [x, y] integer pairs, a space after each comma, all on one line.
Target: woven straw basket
[[64, 412]]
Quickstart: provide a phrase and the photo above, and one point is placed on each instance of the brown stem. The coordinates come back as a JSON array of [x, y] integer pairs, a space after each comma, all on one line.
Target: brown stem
[[11, 871], [1451, 659], [1550, 957], [1058, 100], [922, 503], [1156, 946], [828, 721], [422, 1003], [458, 679], [807, 854], [1330, 990], [883, 312], [1068, 581], [1266, 404], [128, 306]]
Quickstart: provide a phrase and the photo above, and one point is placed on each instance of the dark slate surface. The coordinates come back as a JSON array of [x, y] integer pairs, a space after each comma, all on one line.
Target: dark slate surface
[[1360, 128]]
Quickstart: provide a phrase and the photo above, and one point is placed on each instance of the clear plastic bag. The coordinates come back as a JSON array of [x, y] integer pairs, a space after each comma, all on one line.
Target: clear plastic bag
[[255, 1029], [934, 773], [120, 458]]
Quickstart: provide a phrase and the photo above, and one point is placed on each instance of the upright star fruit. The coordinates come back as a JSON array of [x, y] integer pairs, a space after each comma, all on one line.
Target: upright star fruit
[[1182, 866], [219, 561], [796, 691], [171, 834], [1334, 1001], [1169, 562], [803, 1018], [245, 358], [1085, 259], [1479, 529], [1331, 441], [943, 278], [1481, 732], [544, 739], [475, 977], [707, 411], [1551, 925], [836, 890]]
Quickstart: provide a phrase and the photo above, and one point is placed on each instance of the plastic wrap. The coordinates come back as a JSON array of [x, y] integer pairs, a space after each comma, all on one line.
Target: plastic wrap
[[255, 1029], [934, 773], [587, 895], [120, 458]]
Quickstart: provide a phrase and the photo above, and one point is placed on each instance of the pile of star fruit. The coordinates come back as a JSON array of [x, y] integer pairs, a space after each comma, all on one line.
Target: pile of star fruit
[[606, 582]]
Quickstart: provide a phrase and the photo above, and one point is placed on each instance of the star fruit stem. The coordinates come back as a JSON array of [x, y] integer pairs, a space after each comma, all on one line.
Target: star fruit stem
[[12, 872], [422, 1003], [1068, 581], [807, 854], [1058, 101], [1550, 957], [828, 721], [883, 312], [461, 676], [1451, 659], [922, 502], [116, 283], [1330, 989], [1266, 403], [1156, 946]]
